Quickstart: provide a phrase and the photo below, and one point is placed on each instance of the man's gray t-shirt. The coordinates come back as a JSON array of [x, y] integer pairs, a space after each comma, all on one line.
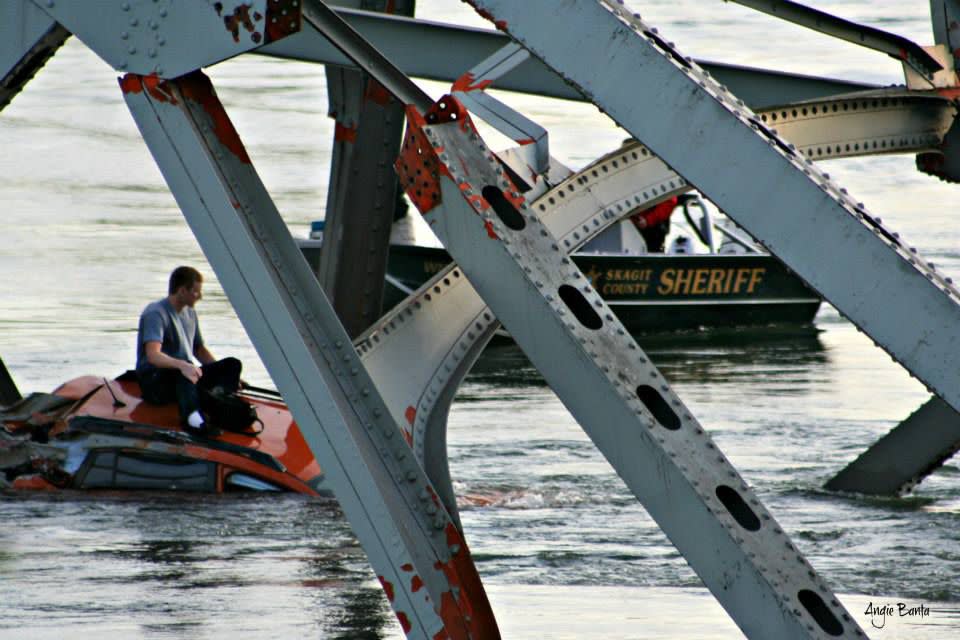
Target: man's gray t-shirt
[[178, 333]]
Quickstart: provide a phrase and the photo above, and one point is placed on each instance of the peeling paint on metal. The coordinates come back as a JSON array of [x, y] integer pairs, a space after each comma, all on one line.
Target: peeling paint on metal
[[387, 588], [376, 93], [464, 84], [345, 133], [198, 88], [155, 87], [240, 18], [416, 584]]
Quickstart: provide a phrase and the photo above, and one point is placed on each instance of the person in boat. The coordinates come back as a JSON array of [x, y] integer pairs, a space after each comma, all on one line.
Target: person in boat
[[654, 224], [168, 340]]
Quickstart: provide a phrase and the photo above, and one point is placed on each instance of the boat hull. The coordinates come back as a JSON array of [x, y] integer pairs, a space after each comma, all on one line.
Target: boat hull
[[661, 292]]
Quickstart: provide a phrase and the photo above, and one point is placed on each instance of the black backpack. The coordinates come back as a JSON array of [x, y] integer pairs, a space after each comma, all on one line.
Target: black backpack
[[228, 411]]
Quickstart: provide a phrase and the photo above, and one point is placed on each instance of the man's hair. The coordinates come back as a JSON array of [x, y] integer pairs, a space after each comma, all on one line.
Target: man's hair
[[183, 277]]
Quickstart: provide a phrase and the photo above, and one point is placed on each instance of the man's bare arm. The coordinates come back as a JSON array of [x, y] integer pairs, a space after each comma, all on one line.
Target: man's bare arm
[[159, 359]]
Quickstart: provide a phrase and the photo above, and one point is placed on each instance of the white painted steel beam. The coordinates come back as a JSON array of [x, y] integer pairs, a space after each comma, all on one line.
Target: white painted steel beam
[[414, 547], [405, 41], [866, 123], [820, 232], [910, 452], [600, 374]]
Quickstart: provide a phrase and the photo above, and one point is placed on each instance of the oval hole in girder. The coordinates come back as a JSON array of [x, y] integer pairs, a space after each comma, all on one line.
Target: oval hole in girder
[[820, 612], [504, 209], [658, 407], [579, 307], [738, 508]]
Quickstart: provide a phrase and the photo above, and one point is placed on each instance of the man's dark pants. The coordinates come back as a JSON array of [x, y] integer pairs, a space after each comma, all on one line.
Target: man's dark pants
[[160, 386]]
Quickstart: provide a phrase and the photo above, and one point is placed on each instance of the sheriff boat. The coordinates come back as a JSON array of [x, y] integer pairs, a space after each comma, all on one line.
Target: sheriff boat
[[712, 275]]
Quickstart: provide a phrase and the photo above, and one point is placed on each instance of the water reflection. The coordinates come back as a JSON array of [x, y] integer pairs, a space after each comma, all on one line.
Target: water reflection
[[707, 357], [154, 565]]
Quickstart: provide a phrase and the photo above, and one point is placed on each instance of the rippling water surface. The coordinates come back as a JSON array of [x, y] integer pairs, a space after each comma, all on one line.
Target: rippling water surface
[[90, 232]]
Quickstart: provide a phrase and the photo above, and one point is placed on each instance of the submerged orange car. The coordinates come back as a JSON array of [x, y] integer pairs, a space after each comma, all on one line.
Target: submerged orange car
[[94, 433]]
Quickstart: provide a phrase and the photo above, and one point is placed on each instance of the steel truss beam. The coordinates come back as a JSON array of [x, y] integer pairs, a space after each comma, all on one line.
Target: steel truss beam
[[897, 47], [30, 38], [414, 547], [910, 452], [605, 380], [362, 194], [403, 40], [866, 123]]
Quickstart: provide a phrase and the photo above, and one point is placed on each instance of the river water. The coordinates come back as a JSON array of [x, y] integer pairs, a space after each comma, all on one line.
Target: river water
[[90, 232]]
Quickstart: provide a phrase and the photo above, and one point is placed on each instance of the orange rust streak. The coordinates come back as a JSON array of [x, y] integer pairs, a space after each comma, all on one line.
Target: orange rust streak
[[472, 601], [464, 84], [387, 588], [410, 414], [377, 93], [404, 621], [345, 133], [158, 89], [130, 83], [198, 88]]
